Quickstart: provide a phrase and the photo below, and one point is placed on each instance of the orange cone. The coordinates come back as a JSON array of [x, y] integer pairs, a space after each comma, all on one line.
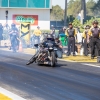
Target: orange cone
[[20, 47]]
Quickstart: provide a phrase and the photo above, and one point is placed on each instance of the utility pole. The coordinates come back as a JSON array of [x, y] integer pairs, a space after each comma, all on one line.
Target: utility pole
[[83, 11], [65, 14], [6, 12]]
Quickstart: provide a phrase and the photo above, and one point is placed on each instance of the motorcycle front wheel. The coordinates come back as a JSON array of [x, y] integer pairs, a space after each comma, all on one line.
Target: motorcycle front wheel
[[53, 59]]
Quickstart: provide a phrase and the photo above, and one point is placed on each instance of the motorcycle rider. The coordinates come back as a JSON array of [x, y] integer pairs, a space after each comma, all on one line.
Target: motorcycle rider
[[13, 37], [44, 41]]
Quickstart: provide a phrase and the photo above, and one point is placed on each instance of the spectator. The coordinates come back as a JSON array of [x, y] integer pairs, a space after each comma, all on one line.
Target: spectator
[[1, 31], [94, 35], [71, 34], [37, 34], [52, 29], [84, 37]]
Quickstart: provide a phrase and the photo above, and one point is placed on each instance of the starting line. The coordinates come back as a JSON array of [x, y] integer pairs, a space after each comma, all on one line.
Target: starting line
[[10, 95]]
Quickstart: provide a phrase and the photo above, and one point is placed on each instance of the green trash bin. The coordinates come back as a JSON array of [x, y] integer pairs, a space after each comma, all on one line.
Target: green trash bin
[[63, 38]]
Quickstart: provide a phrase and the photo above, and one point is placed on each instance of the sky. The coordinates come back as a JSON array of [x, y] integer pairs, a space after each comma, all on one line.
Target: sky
[[60, 2]]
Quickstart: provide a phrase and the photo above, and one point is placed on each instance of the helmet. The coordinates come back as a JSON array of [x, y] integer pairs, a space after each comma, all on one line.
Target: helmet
[[95, 22], [49, 36], [43, 37], [38, 27]]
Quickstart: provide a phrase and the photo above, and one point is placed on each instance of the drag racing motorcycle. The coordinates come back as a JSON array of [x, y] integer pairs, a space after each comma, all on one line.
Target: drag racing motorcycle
[[47, 54]]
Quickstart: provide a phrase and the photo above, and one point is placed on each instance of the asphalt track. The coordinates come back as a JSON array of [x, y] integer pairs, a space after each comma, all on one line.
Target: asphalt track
[[67, 81]]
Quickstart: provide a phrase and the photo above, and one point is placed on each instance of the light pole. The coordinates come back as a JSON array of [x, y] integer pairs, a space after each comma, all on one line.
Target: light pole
[[65, 14], [7, 19], [83, 11], [6, 16]]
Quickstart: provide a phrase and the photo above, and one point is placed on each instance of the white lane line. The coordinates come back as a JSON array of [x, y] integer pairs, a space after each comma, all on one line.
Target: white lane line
[[10, 94], [90, 65]]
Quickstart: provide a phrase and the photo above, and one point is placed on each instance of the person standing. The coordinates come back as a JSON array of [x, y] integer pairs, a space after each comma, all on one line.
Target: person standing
[[59, 47], [1, 31], [52, 30], [85, 44], [14, 37], [37, 34], [71, 34], [94, 35], [62, 31]]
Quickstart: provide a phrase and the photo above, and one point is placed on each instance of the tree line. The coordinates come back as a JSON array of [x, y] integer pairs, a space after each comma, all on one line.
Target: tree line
[[74, 8]]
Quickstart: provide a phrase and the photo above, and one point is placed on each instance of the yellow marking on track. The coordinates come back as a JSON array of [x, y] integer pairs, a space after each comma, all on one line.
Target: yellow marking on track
[[80, 58], [3, 97]]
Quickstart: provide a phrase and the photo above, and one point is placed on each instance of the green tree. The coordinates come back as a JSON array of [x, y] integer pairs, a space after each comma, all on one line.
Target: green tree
[[74, 7], [76, 23], [57, 13], [96, 9], [97, 5], [89, 22], [89, 6]]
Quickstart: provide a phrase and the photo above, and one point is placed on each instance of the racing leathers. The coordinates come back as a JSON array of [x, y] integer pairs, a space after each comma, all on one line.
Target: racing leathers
[[44, 44]]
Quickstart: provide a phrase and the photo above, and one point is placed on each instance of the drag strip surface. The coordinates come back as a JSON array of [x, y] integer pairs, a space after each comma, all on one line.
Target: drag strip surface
[[67, 81]]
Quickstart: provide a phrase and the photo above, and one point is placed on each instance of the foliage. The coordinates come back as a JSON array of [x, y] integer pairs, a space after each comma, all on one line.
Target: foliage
[[89, 6], [74, 7], [97, 5], [57, 13], [96, 9], [89, 22], [76, 23], [70, 18]]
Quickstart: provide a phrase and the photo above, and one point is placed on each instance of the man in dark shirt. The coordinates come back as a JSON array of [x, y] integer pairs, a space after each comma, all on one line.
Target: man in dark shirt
[[94, 35], [84, 40], [71, 34]]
